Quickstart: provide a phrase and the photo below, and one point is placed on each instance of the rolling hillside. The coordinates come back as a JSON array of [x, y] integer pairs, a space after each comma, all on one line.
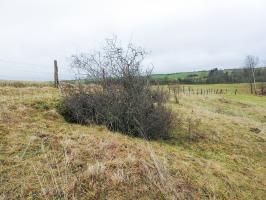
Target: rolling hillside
[[181, 75], [218, 152]]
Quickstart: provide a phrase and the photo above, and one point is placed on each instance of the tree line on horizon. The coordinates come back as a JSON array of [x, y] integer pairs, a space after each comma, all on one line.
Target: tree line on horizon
[[215, 75]]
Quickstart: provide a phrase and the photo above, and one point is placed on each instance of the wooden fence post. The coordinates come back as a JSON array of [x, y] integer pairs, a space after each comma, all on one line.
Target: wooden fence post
[[56, 79]]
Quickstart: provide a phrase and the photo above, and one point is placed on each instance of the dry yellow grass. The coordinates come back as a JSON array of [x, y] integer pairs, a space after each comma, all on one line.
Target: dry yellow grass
[[44, 157]]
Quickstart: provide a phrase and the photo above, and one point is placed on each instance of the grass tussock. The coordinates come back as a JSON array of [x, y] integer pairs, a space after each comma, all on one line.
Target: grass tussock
[[213, 155]]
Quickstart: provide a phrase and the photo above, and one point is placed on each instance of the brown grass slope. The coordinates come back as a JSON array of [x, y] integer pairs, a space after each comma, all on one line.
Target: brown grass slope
[[44, 157]]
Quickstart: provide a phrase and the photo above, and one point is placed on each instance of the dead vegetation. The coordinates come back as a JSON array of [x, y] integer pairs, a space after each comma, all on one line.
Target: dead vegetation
[[121, 97], [91, 167]]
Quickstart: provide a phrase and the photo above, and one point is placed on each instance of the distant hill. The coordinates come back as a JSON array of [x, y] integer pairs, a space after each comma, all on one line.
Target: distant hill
[[180, 75]]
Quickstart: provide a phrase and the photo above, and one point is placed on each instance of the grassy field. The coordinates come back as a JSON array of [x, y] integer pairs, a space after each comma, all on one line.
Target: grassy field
[[218, 152], [20, 84]]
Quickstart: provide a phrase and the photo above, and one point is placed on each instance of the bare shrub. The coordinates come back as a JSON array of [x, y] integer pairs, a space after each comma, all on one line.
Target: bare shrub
[[119, 96], [251, 63]]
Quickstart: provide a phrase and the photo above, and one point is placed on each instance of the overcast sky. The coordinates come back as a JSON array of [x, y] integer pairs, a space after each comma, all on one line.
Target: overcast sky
[[182, 35]]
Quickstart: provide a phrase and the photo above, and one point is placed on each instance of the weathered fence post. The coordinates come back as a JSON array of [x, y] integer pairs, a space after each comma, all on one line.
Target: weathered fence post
[[56, 78]]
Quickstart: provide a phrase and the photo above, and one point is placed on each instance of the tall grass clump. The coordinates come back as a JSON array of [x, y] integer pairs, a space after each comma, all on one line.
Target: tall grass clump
[[118, 95]]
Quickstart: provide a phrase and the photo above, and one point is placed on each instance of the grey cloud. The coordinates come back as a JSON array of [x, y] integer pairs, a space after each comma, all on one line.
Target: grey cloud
[[181, 35]]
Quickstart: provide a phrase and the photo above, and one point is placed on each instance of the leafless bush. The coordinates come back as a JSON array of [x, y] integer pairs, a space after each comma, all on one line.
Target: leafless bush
[[250, 65], [121, 97]]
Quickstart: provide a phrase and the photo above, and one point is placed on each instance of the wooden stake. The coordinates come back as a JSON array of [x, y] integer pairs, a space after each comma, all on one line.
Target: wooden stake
[[56, 79]]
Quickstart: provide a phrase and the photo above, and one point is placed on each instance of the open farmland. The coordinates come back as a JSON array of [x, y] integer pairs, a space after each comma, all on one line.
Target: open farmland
[[219, 151]]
